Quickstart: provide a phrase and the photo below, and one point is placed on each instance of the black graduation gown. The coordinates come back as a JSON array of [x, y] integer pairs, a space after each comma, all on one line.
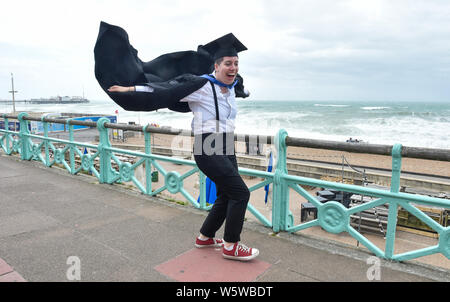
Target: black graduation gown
[[173, 76]]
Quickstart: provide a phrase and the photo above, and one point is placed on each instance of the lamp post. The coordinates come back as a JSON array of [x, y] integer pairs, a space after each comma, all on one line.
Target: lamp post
[[13, 92]]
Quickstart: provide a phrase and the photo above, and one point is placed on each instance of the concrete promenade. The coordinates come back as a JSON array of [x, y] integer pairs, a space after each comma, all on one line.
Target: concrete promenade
[[58, 227]]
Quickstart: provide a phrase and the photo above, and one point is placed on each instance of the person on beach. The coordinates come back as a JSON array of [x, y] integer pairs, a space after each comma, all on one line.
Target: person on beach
[[213, 124]]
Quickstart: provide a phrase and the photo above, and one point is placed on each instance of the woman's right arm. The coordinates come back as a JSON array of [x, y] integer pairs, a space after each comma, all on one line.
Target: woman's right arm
[[117, 88]]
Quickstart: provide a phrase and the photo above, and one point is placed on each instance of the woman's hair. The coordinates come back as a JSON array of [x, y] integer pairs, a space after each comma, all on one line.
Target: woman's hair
[[219, 60]]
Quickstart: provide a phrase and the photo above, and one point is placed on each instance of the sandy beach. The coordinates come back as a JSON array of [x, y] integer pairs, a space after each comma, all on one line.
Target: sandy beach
[[405, 241]]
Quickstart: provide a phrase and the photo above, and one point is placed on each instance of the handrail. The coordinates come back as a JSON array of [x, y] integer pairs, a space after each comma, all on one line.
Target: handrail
[[333, 217], [411, 152]]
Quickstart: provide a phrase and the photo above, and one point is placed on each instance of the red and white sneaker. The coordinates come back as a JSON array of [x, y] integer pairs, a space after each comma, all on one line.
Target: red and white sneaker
[[210, 242], [240, 252]]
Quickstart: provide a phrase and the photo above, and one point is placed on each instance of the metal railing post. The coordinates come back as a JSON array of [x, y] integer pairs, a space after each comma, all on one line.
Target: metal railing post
[[148, 161], [393, 204], [46, 143], [6, 147], [104, 154], [202, 187], [71, 146], [282, 218], [25, 152]]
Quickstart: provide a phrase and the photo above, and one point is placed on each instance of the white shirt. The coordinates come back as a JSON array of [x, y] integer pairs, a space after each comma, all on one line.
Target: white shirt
[[201, 103]]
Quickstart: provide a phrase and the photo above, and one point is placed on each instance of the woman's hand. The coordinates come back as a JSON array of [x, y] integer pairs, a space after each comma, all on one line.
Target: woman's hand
[[117, 88]]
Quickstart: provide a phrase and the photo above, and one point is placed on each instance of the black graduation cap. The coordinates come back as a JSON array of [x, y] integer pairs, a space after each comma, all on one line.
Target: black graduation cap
[[226, 46]]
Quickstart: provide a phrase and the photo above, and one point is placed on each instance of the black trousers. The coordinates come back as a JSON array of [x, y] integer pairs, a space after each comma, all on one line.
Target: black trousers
[[232, 192]]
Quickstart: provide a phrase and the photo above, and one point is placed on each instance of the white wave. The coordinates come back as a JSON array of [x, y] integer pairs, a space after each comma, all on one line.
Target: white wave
[[412, 132], [375, 108], [330, 105]]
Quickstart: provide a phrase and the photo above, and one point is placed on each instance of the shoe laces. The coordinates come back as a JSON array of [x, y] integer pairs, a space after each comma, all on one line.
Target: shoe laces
[[243, 248]]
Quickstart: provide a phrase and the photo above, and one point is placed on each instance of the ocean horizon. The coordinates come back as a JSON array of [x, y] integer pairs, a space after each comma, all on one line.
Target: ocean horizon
[[410, 123]]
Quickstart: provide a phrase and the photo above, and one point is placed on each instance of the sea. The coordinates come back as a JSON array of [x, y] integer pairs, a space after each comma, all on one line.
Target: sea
[[413, 124]]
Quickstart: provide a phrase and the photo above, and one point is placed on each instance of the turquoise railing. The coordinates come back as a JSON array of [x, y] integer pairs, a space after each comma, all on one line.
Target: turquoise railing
[[332, 216]]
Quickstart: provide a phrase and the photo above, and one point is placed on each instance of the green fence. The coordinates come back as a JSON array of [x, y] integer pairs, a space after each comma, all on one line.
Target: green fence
[[332, 216]]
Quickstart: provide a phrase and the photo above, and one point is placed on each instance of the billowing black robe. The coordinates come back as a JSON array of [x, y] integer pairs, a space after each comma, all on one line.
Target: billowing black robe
[[172, 76]]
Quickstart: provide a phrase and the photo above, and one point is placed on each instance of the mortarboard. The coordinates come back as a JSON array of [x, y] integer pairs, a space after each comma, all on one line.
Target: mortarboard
[[226, 46]]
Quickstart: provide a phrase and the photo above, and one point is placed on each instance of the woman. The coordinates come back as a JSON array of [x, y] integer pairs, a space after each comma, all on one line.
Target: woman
[[214, 109]]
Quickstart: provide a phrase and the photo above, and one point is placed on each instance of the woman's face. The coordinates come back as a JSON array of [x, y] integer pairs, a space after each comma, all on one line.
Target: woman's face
[[227, 70]]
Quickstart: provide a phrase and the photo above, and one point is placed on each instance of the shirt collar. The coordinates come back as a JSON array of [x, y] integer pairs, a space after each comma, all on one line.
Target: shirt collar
[[211, 78]]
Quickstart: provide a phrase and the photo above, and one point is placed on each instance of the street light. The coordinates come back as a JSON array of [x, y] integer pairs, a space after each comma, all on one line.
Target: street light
[[13, 91]]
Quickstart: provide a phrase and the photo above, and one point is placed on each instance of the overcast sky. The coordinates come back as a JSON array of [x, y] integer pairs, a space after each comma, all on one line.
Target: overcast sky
[[388, 50]]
